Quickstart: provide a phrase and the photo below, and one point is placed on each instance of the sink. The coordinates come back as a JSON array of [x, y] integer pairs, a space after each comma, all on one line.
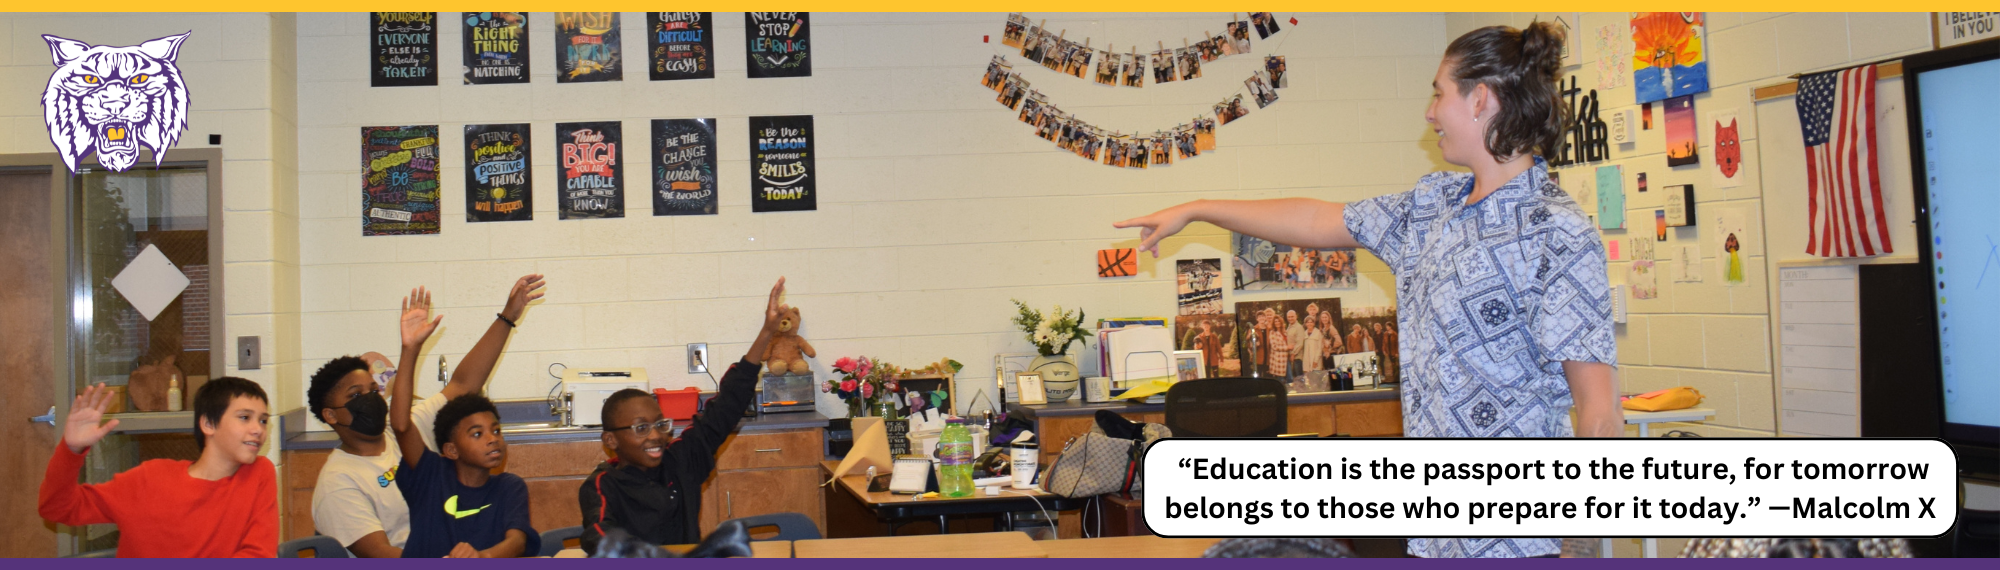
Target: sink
[[541, 427]]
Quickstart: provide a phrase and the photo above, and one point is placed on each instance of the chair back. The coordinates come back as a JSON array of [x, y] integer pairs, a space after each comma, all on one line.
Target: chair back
[[791, 526], [552, 540], [321, 546], [1226, 407]]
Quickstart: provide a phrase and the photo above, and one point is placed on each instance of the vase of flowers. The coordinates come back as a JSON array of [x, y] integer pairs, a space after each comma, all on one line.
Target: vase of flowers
[[1052, 333], [865, 384]]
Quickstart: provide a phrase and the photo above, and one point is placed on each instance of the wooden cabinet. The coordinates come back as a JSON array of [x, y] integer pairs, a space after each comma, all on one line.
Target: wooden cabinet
[[1373, 418], [766, 472]]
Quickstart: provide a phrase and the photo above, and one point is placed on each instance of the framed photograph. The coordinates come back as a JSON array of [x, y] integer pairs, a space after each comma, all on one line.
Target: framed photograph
[[924, 392], [1030, 385], [1189, 365], [1005, 366]]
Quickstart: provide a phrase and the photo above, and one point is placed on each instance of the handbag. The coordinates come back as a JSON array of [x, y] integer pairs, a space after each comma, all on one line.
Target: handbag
[[1663, 400], [1103, 461]]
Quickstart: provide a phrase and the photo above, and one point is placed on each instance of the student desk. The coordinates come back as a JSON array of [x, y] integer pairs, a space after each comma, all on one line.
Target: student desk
[[1147, 546], [890, 506], [974, 545]]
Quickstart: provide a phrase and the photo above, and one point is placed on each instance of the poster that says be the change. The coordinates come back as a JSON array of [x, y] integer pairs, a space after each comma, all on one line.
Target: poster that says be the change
[[683, 167]]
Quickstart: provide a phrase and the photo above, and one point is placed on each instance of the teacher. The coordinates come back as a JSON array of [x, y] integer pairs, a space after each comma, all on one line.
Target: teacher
[[1503, 301]]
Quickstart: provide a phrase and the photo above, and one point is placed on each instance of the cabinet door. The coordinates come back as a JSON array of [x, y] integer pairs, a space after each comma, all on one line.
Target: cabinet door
[[739, 494]]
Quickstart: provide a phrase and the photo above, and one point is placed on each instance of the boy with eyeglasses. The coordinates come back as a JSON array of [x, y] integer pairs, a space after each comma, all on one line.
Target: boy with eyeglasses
[[653, 488]]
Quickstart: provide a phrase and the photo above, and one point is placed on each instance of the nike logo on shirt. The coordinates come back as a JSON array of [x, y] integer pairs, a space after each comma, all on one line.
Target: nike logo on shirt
[[451, 508]]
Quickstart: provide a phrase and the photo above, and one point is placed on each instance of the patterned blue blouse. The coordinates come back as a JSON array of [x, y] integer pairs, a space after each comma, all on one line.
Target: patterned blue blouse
[[1491, 298]]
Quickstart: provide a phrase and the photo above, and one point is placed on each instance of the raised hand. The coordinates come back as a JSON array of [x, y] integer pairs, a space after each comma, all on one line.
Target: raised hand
[[1157, 226], [81, 431], [775, 309], [527, 289], [417, 324]]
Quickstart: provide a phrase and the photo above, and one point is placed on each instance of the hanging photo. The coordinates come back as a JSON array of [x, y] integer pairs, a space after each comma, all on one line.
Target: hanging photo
[[1163, 67], [1016, 89], [1671, 55], [1266, 23], [399, 188], [781, 164], [588, 48], [405, 53], [1204, 134], [1261, 90], [1222, 45], [1231, 109], [1031, 45], [1107, 68], [1031, 111], [1274, 69], [498, 174], [1184, 142], [1190, 60], [1262, 265], [1079, 61], [1207, 50], [1135, 70], [1138, 155], [1054, 51], [593, 172], [496, 47], [1239, 36], [680, 45], [778, 44], [1163, 149], [683, 167], [1681, 127], [1017, 26], [996, 74]]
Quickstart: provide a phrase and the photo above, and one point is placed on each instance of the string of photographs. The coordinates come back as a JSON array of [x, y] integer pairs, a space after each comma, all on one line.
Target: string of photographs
[[1059, 54], [1116, 148]]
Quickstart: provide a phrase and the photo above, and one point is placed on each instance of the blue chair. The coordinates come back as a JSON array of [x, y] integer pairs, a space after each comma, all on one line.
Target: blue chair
[[321, 546], [791, 526], [552, 540]]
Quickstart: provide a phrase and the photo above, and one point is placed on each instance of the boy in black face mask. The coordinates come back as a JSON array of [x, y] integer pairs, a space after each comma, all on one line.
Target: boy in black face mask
[[356, 500]]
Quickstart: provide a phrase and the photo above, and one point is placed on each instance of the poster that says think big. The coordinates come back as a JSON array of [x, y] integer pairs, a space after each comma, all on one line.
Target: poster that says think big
[[405, 49], [593, 181], [679, 46], [498, 174], [781, 164], [779, 44], [399, 182], [683, 167]]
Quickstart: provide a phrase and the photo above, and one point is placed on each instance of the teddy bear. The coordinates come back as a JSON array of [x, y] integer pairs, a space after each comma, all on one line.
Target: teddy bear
[[788, 351]]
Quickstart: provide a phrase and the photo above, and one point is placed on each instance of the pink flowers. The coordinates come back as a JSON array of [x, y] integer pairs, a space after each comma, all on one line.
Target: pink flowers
[[864, 367], [892, 386], [847, 385], [867, 390], [845, 365]]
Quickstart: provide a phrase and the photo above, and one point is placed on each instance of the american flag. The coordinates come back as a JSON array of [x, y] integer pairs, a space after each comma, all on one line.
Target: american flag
[[1837, 113]]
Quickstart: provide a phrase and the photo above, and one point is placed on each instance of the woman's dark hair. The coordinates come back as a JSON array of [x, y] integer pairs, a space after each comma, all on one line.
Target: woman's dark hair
[[212, 400], [1522, 68]]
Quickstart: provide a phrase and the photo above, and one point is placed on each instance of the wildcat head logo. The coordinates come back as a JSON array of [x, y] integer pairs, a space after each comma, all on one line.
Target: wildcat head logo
[[1728, 156], [111, 100]]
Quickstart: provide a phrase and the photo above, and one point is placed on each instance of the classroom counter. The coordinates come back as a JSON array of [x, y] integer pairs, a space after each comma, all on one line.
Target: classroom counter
[[1078, 407], [527, 421]]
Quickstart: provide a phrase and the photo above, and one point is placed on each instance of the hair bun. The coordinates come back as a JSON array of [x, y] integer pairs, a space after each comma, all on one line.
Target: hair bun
[[1541, 48]]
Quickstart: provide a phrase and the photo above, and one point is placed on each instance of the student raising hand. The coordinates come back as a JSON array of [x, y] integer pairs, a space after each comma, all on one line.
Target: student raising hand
[[82, 430], [417, 324], [526, 290]]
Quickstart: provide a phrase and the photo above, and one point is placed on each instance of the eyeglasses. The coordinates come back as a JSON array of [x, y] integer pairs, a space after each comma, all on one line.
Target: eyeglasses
[[642, 429]]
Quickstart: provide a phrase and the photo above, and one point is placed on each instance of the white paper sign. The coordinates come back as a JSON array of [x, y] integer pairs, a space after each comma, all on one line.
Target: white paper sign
[[150, 283]]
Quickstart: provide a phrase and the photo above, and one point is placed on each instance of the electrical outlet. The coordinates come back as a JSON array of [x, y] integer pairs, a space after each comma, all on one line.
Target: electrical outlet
[[697, 358], [248, 355]]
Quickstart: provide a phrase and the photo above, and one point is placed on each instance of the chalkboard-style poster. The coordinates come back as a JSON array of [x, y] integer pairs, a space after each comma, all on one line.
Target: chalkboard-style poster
[[781, 164], [587, 47], [683, 167], [399, 182], [498, 174], [496, 47], [779, 44], [593, 181], [680, 45], [405, 45]]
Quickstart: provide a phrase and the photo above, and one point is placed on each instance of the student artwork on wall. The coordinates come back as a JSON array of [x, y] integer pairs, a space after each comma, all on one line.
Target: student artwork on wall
[[1118, 262], [1659, 225], [782, 178], [1215, 336], [1198, 286], [1680, 205], [1730, 234], [1613, 50], [496, 47], [1262, 265], [405, 49], [779, 44], [1642, 183], [1642, 275], [1670, 55], [593, 171], [680, 45], [1611, 197], [498, 173], [1687, 264], [1682, 147], [1646, 117], [588, 47], [683, 167], [399, 182], [1727, 145]]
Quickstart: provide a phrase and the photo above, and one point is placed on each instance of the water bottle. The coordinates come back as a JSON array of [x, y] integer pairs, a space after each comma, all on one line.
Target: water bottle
[[955, 455]]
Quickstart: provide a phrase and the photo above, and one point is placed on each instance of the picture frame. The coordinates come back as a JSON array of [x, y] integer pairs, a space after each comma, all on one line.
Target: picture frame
[[1005, 366], [926, 384], [1188, 365], [1032, 391]]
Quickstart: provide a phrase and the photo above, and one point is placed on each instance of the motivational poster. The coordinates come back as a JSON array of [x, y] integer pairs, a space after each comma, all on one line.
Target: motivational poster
[[587, 47], [683, 167], [778, 44], [405, 45], [593, 181], [399, 188], [496, 47], [781, 164], [498, 174], [680, 45]]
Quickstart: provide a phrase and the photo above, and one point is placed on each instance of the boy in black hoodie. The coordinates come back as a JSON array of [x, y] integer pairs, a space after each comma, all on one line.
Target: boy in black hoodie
[[653, 489]]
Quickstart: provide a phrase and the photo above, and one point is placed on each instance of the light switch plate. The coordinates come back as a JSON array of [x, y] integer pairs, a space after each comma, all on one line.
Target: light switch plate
[[697, 358], [249, 355]]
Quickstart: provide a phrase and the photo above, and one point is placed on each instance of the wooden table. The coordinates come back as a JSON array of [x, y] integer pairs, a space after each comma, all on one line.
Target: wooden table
[[890, 506], [1147, 546], [759, 549], [975, 545]]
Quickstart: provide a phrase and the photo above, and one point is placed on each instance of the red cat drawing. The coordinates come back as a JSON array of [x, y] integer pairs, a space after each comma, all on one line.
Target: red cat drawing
[[1728, 156]]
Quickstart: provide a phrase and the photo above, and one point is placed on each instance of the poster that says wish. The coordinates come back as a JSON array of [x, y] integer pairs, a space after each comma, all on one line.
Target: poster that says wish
[[496, 47], [683, 167], [680, 46], [399, 182], [498, 174], [588, 48], [405, 49], [779, 44], [781, 164], [593, 178]]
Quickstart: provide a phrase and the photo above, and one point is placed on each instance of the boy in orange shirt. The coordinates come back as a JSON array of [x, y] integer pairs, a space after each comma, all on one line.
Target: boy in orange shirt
[[224, 504]]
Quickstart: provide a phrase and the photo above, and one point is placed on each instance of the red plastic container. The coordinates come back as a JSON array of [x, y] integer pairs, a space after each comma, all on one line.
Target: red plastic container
[[678, 405]]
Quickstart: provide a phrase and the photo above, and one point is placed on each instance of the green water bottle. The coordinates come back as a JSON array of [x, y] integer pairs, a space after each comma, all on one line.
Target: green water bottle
[[955, 456]]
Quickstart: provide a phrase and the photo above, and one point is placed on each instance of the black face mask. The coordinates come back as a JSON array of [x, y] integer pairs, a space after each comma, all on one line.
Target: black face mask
[[370, 414]]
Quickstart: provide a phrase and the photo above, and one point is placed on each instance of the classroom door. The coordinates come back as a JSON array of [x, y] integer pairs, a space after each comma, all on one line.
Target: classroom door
[[27, 323]]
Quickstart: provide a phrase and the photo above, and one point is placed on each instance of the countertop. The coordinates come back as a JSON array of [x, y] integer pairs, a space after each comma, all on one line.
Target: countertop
[[292, 426], [1078, 407]]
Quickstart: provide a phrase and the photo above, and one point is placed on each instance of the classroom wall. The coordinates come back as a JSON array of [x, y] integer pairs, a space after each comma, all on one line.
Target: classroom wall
[[936, 205]]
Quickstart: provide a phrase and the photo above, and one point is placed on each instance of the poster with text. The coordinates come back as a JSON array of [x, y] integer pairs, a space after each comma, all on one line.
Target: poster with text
[[593, 177], [405, 49], [496, 47], [399, 188], [587, 47], [778, 44], [683, 167], [680, 45], [781, 164], [498, 174]]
